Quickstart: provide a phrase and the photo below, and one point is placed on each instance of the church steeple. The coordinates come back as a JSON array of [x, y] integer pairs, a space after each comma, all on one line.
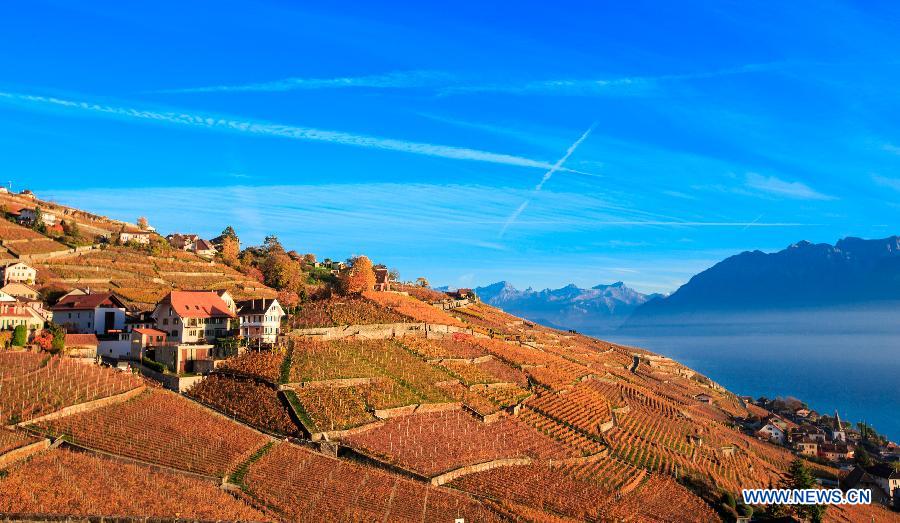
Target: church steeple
[[837, 421]]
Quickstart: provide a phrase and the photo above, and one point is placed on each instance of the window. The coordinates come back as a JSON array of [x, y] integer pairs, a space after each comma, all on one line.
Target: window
[[165, 321]]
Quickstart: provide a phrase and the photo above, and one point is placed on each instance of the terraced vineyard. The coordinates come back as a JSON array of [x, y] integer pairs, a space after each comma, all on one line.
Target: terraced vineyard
[[433, 443], [247, 400], [304, 486], [343, 311], [65, 483], [161, 427], [143, 280], [33, 384]]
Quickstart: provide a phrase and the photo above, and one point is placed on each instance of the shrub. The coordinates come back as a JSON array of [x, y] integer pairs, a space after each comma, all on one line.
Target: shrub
[[20, 336]]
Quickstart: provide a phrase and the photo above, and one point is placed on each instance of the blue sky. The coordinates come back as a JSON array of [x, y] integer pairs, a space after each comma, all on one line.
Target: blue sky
[[541, 143]]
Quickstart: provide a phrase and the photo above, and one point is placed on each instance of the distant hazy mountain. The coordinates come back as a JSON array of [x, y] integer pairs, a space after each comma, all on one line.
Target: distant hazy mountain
[[601, 308], [850, 273]]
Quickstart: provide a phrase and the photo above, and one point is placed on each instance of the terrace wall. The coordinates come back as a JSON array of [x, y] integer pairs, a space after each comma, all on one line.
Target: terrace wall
[[170, 381], [86, 406], [23, 452], [447, 477], [380, 331]]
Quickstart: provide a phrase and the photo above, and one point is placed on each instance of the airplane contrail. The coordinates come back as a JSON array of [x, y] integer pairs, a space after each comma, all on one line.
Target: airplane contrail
[[753, 222], [544, 179]]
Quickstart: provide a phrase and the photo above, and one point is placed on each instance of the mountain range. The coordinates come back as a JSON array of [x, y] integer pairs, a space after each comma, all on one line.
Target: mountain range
[[851, 273], [600, 308]]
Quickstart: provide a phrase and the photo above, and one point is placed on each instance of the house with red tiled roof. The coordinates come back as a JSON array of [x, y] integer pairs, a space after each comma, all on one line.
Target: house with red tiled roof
[[193, 316], [92, 312], [17, 312]]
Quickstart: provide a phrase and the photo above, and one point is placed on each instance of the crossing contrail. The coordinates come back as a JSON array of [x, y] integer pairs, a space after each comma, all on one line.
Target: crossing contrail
[[546, 178]]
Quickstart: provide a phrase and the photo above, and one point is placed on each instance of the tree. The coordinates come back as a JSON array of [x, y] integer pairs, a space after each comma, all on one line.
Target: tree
[[288, 299], [142, 223], [20, 336], [229, 232], [58, 343], [799, 477], [394, 275], [272, 245], [44, 340], [360, 277], [5, 338], [38, 223], [862, 457], [230, 250], [422, 282]]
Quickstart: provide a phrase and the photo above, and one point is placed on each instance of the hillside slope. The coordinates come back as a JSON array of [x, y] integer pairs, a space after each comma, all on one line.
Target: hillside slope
[[141, 275]]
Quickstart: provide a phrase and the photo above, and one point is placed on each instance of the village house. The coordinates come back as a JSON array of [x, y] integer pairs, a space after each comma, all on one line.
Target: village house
[[141, 339], [807, 446], [182, 242], [807, 432], [84, 313], [882, 480], [228, 299], [203, 248], [139, 320], [836, 451], [28, 215], [15, 312], [134, 235], [193, 316], [20, 290], [703, 398], [771, 432], [19, 272], [260, 320]]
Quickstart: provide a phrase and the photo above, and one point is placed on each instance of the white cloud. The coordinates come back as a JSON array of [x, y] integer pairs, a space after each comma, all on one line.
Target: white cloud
[[279, 130], [778, 187], [395, 80], [891, 183]]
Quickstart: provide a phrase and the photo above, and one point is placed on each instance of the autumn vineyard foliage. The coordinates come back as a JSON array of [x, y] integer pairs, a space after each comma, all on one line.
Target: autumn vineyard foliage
[[42, 385], [517, 422], [247, 400], [62, 482], [160, 427], [305, 486]]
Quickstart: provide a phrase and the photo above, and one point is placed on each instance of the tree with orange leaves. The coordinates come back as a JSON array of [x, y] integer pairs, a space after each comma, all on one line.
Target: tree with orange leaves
[[360, 277]]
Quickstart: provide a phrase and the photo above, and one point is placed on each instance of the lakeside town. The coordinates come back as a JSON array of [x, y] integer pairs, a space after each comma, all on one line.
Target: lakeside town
[[188, 333]]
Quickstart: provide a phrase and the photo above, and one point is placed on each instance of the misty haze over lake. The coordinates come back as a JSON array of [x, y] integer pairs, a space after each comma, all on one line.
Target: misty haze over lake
[[845, 359]]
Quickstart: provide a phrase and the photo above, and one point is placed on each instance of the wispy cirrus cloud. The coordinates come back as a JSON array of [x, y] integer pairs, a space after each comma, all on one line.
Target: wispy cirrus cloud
[[777, 187], [884, 181], [263, 128], [446, 83], [624, 85], [392, 80]]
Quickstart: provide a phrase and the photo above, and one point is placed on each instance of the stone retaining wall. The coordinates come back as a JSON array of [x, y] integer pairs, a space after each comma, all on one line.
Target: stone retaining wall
[[169, 381], [447, 477], [23, 452], [380, 331], [85, 407]]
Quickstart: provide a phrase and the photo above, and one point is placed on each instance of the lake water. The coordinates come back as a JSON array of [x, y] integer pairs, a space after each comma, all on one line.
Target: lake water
[[856, 371]]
